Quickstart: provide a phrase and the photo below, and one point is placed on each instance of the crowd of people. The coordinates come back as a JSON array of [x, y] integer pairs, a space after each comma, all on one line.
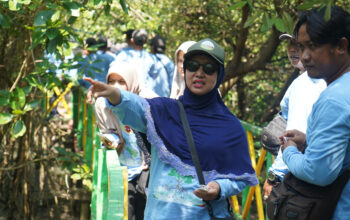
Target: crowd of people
[[138, 97], [155, 70]]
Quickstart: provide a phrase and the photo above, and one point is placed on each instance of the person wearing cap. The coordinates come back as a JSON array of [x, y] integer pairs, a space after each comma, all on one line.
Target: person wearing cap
[[164, 65], [173, 190], [296, 106], [139, 57]]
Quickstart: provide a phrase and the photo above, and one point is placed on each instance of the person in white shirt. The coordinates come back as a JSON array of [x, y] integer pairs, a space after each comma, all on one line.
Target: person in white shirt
[[296, 106]]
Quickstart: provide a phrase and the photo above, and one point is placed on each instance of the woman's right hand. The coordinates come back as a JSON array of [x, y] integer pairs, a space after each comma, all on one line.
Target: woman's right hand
[[99, 89]]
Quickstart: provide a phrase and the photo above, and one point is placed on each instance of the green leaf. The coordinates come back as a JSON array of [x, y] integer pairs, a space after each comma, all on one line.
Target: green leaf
[[288, 22], [266, 23], [4, 101], [107, 9], [25, 2], [4, 22], [18, 129], [249, 21], [14, 5], [18, 99], [42, 17], [238, 5], [72, 19], [27, 89], [61, 150], [250, 5], [77, 169], [76, 176], [86, 168], [37, 37], [52, 33], [56, 16], [278, 22], [51, 46], [124, 6], [21, 96], [73, 7], [33, 81], [96, 2], [31, 105], [13, 104], [327, 14], [17, 112], [5, 118], [306, 5], [5, 93]]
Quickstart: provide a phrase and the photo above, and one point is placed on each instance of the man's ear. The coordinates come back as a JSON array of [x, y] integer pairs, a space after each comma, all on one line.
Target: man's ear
[[342, 46], [132, 40]]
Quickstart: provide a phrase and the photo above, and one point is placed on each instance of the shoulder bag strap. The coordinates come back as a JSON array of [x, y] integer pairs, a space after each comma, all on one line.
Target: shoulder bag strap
[[190, 143], [193, 151]]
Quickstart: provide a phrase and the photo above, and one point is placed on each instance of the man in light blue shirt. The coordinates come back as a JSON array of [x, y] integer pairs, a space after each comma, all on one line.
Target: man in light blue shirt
[[325, 53], [164, 66], [144, 61]]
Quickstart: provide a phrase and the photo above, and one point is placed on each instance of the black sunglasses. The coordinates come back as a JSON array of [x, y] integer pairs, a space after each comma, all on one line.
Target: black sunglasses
[[208, 68]]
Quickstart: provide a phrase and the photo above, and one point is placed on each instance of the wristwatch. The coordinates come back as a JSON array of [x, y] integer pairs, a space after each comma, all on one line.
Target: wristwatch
[[272, 179]]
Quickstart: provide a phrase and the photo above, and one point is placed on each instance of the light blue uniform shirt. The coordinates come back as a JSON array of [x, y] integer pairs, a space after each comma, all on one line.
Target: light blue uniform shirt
[[165, 69], [328, 137], [170, 195], [145, 64], [296, 107]]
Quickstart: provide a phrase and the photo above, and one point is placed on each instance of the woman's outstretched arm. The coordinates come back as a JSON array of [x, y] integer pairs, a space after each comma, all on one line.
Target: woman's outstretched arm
[[99, 89]]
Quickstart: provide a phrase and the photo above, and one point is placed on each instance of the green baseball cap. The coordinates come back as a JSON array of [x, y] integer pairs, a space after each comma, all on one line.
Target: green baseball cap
[[209, 47]]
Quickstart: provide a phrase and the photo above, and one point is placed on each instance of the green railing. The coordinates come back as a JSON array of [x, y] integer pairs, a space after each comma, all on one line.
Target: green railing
[[109, 198]]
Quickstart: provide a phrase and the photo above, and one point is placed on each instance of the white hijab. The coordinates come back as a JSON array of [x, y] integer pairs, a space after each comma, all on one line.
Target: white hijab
[[106, 119], [178, 84], [131, 76]]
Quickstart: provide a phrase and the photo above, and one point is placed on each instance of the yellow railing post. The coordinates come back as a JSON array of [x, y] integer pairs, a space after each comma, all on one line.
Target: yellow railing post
[[60, 97], [65, 104], [255, 189]]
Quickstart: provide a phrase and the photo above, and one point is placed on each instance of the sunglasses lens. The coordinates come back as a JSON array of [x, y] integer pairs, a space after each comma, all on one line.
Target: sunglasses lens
[[210, 68], [192, 66]]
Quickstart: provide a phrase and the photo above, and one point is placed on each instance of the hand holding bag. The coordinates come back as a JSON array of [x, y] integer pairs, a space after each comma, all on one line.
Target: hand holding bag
[[271, 133], [195, 159]]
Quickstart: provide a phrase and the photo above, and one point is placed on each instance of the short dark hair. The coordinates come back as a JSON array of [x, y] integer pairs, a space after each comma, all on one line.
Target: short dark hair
[[91, 42], [322, 31], [102, 42], [158, 42], [128, 33]]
